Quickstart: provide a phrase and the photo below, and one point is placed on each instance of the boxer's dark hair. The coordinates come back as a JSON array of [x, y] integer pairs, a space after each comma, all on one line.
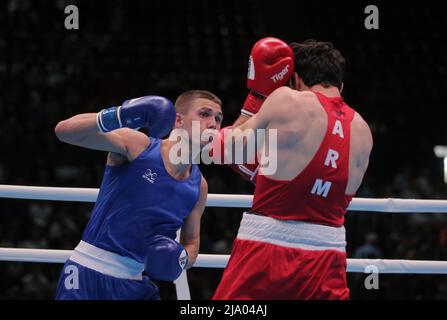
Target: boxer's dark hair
[[319, 62], [183, 101]]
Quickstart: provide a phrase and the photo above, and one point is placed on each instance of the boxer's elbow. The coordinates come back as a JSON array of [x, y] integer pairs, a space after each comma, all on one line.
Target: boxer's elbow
[[65, 132], [62, 131]]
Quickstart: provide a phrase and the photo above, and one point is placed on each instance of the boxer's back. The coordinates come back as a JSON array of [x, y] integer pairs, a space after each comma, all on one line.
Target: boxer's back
[[322, 157], [300, 137]]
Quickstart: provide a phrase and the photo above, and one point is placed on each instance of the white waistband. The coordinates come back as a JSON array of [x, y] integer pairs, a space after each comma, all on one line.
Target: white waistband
[[293, 234], [106, 262]]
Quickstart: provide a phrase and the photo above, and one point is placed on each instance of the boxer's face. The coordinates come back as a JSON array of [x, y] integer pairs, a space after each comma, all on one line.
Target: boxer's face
[[204, 114]]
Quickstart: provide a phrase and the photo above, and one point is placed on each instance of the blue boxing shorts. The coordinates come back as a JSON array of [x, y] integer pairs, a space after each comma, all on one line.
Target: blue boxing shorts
[[92, 273]]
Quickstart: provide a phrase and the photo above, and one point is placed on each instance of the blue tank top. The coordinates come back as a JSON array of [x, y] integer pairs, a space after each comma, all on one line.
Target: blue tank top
[[138, 200]]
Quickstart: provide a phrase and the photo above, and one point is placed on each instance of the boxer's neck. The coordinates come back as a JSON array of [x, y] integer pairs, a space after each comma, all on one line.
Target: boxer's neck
[[179, 171], [328, 92]]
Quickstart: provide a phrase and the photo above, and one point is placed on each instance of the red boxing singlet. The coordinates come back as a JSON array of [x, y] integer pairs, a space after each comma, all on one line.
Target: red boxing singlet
[[317, 194]]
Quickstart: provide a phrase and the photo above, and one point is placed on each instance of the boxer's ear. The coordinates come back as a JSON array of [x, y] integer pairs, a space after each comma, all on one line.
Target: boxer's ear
[[293, 81], [342, 87], [299, 83], [178, 121]]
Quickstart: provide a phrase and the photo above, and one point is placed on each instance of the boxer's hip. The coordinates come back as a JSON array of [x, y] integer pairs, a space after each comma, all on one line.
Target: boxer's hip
[[106, 262], [276, 259], [292, 234], [92, 273]]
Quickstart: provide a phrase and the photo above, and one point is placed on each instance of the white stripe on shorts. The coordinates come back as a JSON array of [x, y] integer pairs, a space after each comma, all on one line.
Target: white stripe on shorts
[[292, 234], [106, 262]]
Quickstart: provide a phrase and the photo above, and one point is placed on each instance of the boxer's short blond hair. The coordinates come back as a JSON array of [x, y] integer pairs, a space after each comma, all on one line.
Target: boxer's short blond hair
[[183, 101]]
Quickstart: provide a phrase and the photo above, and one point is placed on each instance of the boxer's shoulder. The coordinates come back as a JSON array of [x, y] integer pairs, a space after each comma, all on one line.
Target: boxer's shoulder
[[282, 99], [134, 143], [358, 123], [288, 97], [361, 131], [301, 104], [286, 105]]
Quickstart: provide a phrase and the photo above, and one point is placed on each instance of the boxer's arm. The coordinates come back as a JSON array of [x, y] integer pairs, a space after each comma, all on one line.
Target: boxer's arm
[[366, 142], [111, 128], [241, 120], [271, 64], [190, 233], [82, 130], [275, 108]]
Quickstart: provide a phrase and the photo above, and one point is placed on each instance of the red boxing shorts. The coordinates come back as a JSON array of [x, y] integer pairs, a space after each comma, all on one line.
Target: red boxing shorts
[[276, 259]]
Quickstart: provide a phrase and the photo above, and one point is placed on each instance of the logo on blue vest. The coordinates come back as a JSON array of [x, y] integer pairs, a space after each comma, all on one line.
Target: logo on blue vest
[[149, 175], [183, 259]]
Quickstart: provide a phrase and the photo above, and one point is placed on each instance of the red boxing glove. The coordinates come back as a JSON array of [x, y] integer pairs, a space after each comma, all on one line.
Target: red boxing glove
[[270, 66], [217, 151], [248, 171]]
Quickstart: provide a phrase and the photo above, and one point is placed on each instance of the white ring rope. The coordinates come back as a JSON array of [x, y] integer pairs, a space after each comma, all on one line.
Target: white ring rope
[[234, 201], [223, 200], [220, 261]]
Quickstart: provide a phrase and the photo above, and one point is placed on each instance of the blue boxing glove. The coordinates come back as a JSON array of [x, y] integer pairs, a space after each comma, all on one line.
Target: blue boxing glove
[[153, 112], [165, 259]]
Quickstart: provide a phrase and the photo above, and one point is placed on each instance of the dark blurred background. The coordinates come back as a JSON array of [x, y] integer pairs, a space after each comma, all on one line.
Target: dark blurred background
[[396, 78]]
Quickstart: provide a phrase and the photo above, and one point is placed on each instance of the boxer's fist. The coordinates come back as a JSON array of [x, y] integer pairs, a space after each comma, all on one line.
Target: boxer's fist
[[217, 151], [165, 259], [271, 65], [152, 112]]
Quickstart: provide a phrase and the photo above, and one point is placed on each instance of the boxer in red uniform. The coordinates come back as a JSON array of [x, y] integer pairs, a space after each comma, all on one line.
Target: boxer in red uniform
[[291, 244]]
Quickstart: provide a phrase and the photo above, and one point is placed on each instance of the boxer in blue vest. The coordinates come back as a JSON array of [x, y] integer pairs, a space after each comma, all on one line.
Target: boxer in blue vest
[[144, 197]]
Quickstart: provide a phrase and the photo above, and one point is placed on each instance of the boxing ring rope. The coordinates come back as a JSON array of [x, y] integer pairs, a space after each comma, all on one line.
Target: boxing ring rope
[[229, 201], [220, 261], [223, 200]]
